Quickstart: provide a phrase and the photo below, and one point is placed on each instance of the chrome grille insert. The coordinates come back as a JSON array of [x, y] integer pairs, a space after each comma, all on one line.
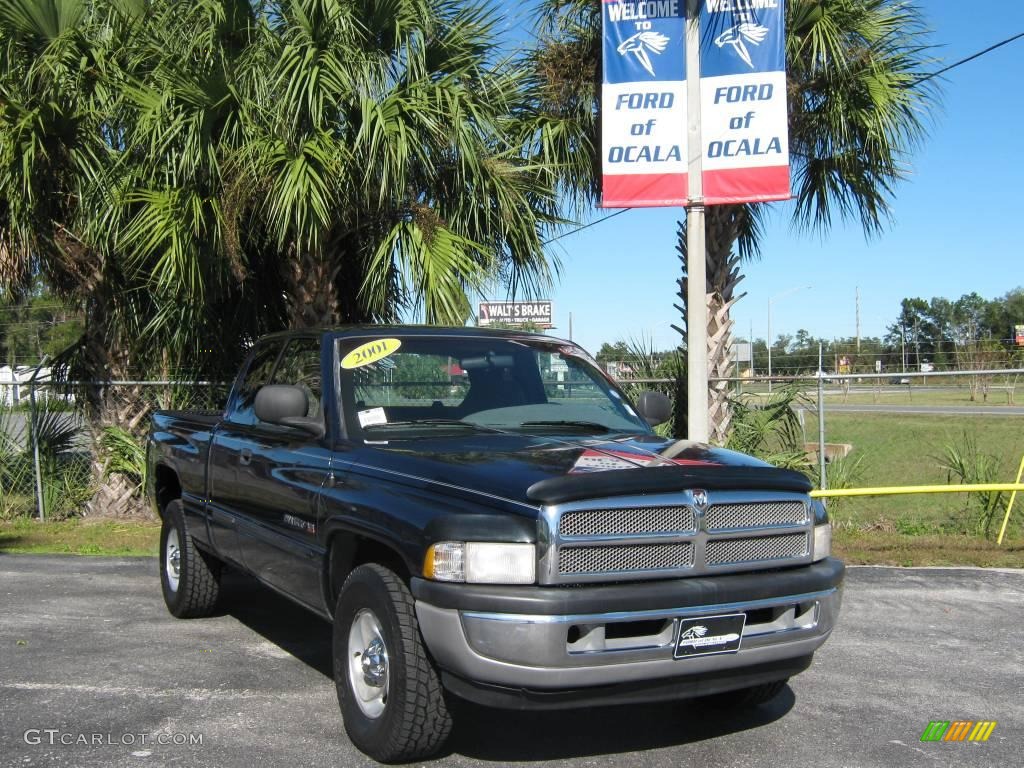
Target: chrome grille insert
[[629, 521], [721, 517], [637, 557], [669, 535], [756, 549]]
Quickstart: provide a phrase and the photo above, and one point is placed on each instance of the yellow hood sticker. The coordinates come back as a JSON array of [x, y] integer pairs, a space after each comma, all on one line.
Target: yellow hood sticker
[[370, 352]]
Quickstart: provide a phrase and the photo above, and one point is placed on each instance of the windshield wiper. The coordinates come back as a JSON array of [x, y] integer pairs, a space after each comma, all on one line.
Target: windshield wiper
[[432, 422], [568, 423]]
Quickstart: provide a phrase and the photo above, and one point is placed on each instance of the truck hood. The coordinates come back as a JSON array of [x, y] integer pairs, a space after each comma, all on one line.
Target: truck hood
[[536, 469]]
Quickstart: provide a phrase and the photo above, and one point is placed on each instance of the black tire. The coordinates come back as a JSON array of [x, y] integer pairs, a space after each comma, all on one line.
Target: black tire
[[198, 573], [412, 721], [746, 698]]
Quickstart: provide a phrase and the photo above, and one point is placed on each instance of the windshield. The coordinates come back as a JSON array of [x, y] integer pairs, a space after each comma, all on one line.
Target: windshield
[[429, 383]]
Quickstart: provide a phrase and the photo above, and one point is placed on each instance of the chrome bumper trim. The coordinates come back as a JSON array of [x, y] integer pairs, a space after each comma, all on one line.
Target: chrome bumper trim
[[697, 610], [530, 651]]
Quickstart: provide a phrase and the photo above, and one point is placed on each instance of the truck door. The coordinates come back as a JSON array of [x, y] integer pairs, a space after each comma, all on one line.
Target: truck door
[[230, 451], [279, 486]]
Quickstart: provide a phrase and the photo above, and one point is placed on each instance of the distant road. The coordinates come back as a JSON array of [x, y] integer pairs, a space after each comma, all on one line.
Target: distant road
[[929, 410]]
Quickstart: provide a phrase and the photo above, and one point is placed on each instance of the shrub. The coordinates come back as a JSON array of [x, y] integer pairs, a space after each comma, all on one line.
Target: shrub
[[770, 429], [966, 464]]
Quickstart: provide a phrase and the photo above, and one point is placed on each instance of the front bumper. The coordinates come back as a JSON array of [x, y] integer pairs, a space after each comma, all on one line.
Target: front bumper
[[548, 640]]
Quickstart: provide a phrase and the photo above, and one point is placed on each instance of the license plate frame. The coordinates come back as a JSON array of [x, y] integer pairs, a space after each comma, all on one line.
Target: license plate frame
[[708, 635]]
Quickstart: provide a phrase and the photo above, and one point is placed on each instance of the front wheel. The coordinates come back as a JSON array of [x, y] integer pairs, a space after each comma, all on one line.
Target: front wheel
[[189, 577], [388, 689]]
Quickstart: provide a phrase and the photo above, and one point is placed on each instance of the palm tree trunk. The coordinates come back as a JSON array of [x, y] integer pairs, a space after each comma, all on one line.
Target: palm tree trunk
[[310, 286], [123, 405], [722, 228]]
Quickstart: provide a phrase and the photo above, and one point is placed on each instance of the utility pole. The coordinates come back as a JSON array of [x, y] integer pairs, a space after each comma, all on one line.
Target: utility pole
[[903, 345], [696, 267], [857, 301]]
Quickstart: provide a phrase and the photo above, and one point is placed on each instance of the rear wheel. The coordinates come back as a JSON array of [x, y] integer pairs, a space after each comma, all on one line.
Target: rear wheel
[[389, 692], [746, 698], [189, 577]]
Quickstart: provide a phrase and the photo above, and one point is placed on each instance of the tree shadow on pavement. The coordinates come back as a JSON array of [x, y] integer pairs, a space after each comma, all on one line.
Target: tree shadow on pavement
[[505, 737]]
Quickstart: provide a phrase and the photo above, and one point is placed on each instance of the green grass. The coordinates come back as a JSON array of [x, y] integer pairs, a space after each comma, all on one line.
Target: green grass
[[80, 537], [881, 547], [904, 450]]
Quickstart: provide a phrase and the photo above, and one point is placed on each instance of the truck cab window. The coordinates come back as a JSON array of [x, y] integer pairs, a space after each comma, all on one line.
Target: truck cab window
[[300, 366], [241, 410]]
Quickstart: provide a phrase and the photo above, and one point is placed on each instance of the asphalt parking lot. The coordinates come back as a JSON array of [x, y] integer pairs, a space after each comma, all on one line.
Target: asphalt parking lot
[[89, 654]]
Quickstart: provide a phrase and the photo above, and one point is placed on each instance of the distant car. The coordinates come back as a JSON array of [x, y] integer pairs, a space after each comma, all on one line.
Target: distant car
[[899, 380], [824, 376]]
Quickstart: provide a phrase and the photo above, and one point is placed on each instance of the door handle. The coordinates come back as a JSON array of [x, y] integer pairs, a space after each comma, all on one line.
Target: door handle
[[245, 457]]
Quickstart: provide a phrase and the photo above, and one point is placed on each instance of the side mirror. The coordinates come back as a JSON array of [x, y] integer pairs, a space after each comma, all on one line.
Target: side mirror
[[287, 405], [655, 407]]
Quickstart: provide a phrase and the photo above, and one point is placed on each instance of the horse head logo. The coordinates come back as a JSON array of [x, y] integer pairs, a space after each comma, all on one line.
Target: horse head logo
[[640, 44]]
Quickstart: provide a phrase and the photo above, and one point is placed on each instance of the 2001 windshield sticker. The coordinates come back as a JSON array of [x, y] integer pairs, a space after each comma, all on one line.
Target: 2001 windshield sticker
[[644, 103], [370, 352]]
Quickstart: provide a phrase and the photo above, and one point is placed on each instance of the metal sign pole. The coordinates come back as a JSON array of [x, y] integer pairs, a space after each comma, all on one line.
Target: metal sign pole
[[822, 474], [34, 431], [696, 267]]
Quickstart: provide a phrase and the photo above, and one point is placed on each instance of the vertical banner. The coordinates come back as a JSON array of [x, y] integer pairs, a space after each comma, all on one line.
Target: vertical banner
[[643, 98], [743, 101]]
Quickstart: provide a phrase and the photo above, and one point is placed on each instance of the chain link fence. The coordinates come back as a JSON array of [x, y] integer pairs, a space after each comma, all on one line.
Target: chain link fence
[[73, 447]]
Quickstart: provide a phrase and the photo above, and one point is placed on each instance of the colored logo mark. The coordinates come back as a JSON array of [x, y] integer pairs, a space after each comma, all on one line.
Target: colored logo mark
[[958, 730]]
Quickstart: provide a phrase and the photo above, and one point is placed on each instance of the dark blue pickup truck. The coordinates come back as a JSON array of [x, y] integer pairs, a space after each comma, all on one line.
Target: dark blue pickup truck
[[487, 515]]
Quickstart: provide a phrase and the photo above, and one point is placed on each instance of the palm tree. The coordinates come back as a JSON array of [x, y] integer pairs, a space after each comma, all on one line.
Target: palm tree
[[368, 148], [220, 166], [390, 175], [857, 107], [199, 174]]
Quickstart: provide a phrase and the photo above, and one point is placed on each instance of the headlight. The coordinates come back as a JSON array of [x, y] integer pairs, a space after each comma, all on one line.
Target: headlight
[[477, 562], [822, 541]]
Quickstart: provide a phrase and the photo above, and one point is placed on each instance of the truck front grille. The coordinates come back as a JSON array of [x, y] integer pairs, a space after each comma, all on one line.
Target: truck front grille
[[668, 535], [636, 557], [628, 521], [755, 515], [755, 549]]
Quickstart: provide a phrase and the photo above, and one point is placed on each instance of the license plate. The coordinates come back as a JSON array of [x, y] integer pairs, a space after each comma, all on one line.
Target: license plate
[[709, 635]]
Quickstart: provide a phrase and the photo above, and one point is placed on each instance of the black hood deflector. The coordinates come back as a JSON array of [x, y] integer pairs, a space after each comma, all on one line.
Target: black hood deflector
[[555, 490]]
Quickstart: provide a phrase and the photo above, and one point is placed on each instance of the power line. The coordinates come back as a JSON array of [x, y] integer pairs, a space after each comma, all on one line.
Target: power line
[[586, 226], [973, 56]]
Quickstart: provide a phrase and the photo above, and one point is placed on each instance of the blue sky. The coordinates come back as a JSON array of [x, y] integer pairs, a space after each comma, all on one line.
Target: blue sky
[[956, 225]]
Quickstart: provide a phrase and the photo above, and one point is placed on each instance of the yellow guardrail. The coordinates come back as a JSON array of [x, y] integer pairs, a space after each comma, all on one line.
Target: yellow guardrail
[[908, 489], [898, 490], [1009, 506]]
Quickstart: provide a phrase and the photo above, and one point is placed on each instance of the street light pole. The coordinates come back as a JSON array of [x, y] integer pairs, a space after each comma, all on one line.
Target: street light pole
[[696, 290], [770, 300]]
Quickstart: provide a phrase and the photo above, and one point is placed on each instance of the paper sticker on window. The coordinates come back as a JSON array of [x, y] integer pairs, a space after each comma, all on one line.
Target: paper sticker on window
[[372, 416], [370, 352]]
